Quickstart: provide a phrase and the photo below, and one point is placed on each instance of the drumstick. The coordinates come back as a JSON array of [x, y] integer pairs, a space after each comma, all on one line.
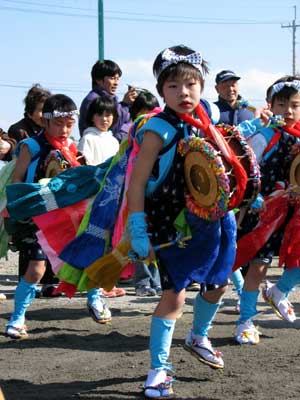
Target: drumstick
[[105, 271], [180, 241]]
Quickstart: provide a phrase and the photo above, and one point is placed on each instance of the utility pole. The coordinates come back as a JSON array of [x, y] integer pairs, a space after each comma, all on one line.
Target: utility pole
[[294, 26], [101, 29]]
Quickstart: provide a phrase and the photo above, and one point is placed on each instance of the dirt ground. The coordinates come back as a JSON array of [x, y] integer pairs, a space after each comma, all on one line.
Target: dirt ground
[[69, 356]]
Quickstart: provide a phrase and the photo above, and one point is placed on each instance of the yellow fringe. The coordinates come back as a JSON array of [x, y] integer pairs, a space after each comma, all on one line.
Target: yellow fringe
[[105, 271]]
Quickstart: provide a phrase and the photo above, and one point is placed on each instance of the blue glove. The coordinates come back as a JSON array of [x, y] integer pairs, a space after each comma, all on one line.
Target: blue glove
[[138, 234], [258, 202]]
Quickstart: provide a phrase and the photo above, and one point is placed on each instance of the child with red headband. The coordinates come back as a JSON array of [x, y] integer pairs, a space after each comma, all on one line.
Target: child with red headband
[[59, 113]]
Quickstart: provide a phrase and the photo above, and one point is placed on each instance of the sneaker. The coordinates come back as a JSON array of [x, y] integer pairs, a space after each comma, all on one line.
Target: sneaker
[[158, 385], [246, 332], [114, 292], [16, 333], [201, 348], [99, 312], [158, 290], [145, 291], [279, 302]]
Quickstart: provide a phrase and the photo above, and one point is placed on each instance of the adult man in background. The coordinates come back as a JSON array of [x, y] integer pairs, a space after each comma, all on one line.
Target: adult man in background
[[233, 109], [105, 80]]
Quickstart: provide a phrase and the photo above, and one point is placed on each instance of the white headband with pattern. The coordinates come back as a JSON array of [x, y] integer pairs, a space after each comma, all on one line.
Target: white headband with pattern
[[169, 57], [57, 114], [279, 86]]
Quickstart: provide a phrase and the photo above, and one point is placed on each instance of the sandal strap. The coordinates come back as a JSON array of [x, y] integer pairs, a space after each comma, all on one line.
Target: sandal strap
[[211, 351]]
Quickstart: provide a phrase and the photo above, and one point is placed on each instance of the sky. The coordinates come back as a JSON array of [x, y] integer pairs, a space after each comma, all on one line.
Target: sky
[[55, 43]]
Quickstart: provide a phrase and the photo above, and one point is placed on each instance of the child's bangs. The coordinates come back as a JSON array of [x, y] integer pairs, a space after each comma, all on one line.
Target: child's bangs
[[185, 71], [285, 94]]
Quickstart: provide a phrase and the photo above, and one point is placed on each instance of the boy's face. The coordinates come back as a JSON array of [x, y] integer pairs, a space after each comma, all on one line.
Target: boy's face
[[36, 116], [288, 108], [60, 128], [182, 94], [109, 83]]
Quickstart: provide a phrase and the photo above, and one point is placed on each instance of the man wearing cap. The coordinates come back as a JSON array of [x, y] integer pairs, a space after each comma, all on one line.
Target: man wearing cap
[[232, 112]]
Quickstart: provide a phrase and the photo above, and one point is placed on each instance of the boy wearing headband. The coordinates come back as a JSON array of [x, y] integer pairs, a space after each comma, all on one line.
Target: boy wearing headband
[[275, 149], [156, 196], [59, 113]]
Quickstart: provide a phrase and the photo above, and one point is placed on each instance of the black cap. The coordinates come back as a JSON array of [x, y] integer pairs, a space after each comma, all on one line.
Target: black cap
[[226, 75]]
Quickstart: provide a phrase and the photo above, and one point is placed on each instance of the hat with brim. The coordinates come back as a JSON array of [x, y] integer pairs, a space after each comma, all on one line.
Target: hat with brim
[[295, 174], [226, 75]]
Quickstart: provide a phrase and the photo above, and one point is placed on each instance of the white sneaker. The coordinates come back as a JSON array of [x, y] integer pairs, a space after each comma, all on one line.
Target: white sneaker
[[99, 311], [279, 302], [246, 332], [201, 348]]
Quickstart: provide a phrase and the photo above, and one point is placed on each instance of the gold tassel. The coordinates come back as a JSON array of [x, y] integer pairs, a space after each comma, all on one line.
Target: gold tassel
[[105, 271]]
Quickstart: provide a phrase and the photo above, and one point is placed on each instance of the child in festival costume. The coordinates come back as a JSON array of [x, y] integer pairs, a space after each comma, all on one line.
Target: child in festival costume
[[209, 255], [31, 125], [280, 213], [59, 112]]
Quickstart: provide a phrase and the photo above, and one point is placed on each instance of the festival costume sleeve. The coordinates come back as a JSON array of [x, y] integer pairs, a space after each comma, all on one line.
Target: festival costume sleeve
[[25, 200], [92, 241], [250, 127], [258, 143], [166, 132]]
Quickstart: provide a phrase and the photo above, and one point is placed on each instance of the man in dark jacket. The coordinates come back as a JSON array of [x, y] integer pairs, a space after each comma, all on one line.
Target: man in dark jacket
[[105, 80], [233, 110]]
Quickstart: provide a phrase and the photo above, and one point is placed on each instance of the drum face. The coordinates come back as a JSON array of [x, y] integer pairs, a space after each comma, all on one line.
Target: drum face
[[214, 183], [295, 174], [55, 164], [200, 179]]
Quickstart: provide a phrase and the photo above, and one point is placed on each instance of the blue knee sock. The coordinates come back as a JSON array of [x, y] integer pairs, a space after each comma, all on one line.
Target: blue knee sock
[[248, 304], [204, 313], [289, 279], [161, 333], [93, 295], [24, 295], [238, 280]]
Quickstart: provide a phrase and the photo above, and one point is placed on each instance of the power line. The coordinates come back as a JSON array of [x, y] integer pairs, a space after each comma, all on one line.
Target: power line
[[158, 17], [33, 3], [52, 88]]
